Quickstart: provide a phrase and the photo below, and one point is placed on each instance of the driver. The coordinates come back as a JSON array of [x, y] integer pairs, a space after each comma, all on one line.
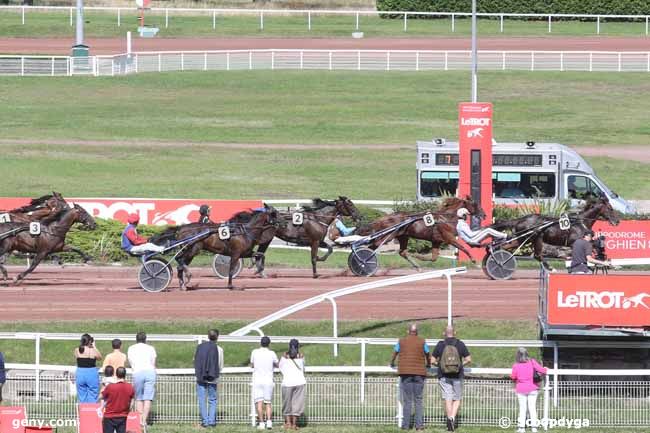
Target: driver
[[345, 234], [474, 237], [204, 212], [133, 243]]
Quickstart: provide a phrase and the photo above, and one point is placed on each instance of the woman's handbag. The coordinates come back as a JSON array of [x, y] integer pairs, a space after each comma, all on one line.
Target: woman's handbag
[[537, 376]]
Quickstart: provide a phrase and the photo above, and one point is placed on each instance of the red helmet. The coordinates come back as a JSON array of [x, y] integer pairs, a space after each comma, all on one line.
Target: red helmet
[[133, 218]]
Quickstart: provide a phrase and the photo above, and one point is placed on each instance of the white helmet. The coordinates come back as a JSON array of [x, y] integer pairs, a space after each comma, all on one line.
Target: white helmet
[[462, 212]]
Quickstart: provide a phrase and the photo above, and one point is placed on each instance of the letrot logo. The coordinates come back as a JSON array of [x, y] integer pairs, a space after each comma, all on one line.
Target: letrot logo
[[177, 216], [601, 300], [475, 121]]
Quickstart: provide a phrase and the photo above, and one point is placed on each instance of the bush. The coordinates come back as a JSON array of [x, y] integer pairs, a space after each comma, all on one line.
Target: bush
[[591, 7]]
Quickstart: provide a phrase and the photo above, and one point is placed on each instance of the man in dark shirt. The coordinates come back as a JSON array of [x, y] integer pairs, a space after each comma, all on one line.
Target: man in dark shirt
[[582, 253], [451, 384], [118, 398], [3, 377], [206, 370]]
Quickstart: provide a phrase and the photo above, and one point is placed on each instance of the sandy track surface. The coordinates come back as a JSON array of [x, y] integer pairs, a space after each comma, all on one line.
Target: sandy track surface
[[62, 46], [105, 293]]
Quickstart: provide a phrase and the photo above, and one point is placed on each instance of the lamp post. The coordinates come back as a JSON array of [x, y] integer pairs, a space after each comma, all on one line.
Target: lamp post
[[79, 49]]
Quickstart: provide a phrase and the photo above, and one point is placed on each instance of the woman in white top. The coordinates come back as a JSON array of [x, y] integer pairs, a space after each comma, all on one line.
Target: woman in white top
[[292, 367]]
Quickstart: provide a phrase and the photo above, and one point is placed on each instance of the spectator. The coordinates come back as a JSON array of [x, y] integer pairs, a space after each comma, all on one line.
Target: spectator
[[523, 372], [142, 358], [116, 358], [263, 361], [109, 376], [208, 363], [451, 355], [87, 376], [117, 397], [3, 375], [413, 353], [292, 367]]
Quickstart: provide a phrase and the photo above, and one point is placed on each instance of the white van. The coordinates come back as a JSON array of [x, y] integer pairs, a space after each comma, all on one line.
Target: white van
[[521, 173]]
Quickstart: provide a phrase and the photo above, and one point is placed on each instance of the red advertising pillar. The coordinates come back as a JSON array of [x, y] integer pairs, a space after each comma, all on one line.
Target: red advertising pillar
[[475, 154]]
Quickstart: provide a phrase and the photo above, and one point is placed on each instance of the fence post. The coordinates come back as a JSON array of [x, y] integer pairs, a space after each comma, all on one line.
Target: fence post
[[549, 24], [302, 55], [619, 62], [214, 19], [227, 60], [22, 65], [166, 17], [250, 60], [501, 28], [261, 20], [23, 15], [405, 20], [453, 23], [182, 61], [388, 60], [598, 25], [562, 61], [71, 17], [119, 17], [417, 61], [68, 69], [646, 26], [555, 366], [309, 20], [532, 60], [136, 62], [272, 60], [357, 26], [446, 60], [648, 62], [52, 66], [112, 66], [362, 390], [547, 386], [159, 63], [38, 366], [399, 405], [503, 61], [591, 61], [330, 56], [205, 61], [358, 60]]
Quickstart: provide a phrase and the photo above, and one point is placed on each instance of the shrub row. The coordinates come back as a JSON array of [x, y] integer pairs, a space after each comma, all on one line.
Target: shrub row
[[590, 7]]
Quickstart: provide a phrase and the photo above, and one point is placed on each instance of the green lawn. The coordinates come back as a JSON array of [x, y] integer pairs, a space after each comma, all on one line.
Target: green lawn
[[104, 24], [192, 110], [179, 355]]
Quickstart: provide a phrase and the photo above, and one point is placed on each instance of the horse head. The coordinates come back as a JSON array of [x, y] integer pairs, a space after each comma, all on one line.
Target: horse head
[[273, 216], [604, 211], [345, 207], [84, 217], [473, 207]]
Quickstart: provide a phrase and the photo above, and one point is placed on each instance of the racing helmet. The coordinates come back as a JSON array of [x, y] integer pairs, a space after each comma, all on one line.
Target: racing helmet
[[462, 212], [204, 209], [133, 218]]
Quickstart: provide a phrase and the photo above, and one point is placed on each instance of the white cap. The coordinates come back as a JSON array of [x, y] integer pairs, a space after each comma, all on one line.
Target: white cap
[[462, 212]]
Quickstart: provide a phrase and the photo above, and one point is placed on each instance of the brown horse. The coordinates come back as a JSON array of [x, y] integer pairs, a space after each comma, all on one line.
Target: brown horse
[[550, 232], [39, 209], [442, 232], [50, 240], [317, 219], [247, 230]]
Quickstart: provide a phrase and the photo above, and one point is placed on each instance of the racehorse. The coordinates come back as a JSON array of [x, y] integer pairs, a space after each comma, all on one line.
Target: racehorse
[[17, 237], [39, 209], [247, 230], [317, 219], [442, 232], [549, 229]]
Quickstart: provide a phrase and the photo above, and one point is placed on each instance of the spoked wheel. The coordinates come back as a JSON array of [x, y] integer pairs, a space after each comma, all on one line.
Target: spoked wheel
[[363, 262], [499, 265], [155, 275], [221, 266]]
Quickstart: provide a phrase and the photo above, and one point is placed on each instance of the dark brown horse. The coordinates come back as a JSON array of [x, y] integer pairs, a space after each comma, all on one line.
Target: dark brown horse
[[51, 239], [550, 232], [39, 209], [317, 219], [442, 232], [247, 230]]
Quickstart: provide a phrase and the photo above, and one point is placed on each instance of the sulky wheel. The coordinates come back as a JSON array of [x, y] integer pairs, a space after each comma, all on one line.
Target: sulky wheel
[[155, 275], [500, 265], [363, 262], [221, 266]]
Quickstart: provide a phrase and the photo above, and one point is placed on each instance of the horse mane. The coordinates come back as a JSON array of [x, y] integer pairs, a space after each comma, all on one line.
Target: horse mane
[[318, 203], [33, 204], [243, 217], [450, 201]]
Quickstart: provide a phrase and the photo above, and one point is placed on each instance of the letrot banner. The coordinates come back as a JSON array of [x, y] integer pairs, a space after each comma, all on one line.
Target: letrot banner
[[151, 211], [599, 300]]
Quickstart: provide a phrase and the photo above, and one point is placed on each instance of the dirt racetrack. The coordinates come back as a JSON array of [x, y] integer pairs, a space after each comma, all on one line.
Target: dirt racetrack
[[105, 46], [89, 292]]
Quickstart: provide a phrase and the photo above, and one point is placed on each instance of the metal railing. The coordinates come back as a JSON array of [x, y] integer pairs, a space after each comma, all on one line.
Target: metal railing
[[213, 13], [335, 398], [329, 60]]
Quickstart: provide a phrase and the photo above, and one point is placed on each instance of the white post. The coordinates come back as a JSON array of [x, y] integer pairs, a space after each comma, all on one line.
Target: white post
[[417, 60], [261, 20], [227, 61], [205, 61], [71, 9], [309, 20], [52, 66], [549, 24], [182, 61], [501, 27], [136, 62], [453, 23], [119, 17], [532, 60], [22, 65], [38, 367], [159, 62], [250, 60], [648, 62], [388, 60], [272, 60], [555, 367], [449, 301], [405, 20], [446, 60], [562, 61], [128, 43], [619, 62], [79, 28], [68, 67], [302, 55], [359, 60], [357, 25], [547, 386], [503, 61], [23, 15], [112, 66], [362, 390], [591, 61], [330, 55], [166, 17], [646, 26], [335, 325], [214, 19], [399, 405], [598, 25]]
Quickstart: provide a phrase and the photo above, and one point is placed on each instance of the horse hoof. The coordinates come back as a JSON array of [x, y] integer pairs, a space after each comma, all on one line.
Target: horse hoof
[[16, 281], [236, 289], [316, 276], [261, 274]]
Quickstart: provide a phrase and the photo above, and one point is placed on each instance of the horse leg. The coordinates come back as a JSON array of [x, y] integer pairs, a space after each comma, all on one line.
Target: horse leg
[[538, 252], [3, 259], [69, 249], [314, 258], [233, 263], [463, 249], [260, 259], [327, 254], [37, 259], [404, 253]]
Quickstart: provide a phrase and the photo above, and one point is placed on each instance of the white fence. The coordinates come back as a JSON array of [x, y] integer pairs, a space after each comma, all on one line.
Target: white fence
[[309, 15], [328, 60]]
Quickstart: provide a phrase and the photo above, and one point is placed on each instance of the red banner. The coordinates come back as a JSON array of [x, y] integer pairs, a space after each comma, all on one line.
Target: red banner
[[627, 242], [12, 419], [90, 418], [599, 300], [151, 211]]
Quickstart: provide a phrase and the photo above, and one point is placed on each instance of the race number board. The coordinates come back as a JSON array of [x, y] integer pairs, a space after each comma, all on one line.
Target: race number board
[[297, 218], [565, 222], [34, 228], [224, 233], [5, 218], [429, 220]]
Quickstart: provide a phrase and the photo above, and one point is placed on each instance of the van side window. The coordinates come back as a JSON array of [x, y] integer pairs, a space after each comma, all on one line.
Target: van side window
[[582, 188], [515, 185], [438, 183]]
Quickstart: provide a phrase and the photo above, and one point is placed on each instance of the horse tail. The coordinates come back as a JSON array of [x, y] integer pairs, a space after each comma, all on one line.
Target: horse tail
[[164, 237]]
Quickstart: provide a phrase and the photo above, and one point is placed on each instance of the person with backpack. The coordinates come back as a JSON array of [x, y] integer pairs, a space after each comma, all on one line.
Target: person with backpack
[[451, 355], [526, 372], [414, 360]]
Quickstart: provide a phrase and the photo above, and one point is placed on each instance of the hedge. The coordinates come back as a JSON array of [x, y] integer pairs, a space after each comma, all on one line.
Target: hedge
[[589, 7]]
